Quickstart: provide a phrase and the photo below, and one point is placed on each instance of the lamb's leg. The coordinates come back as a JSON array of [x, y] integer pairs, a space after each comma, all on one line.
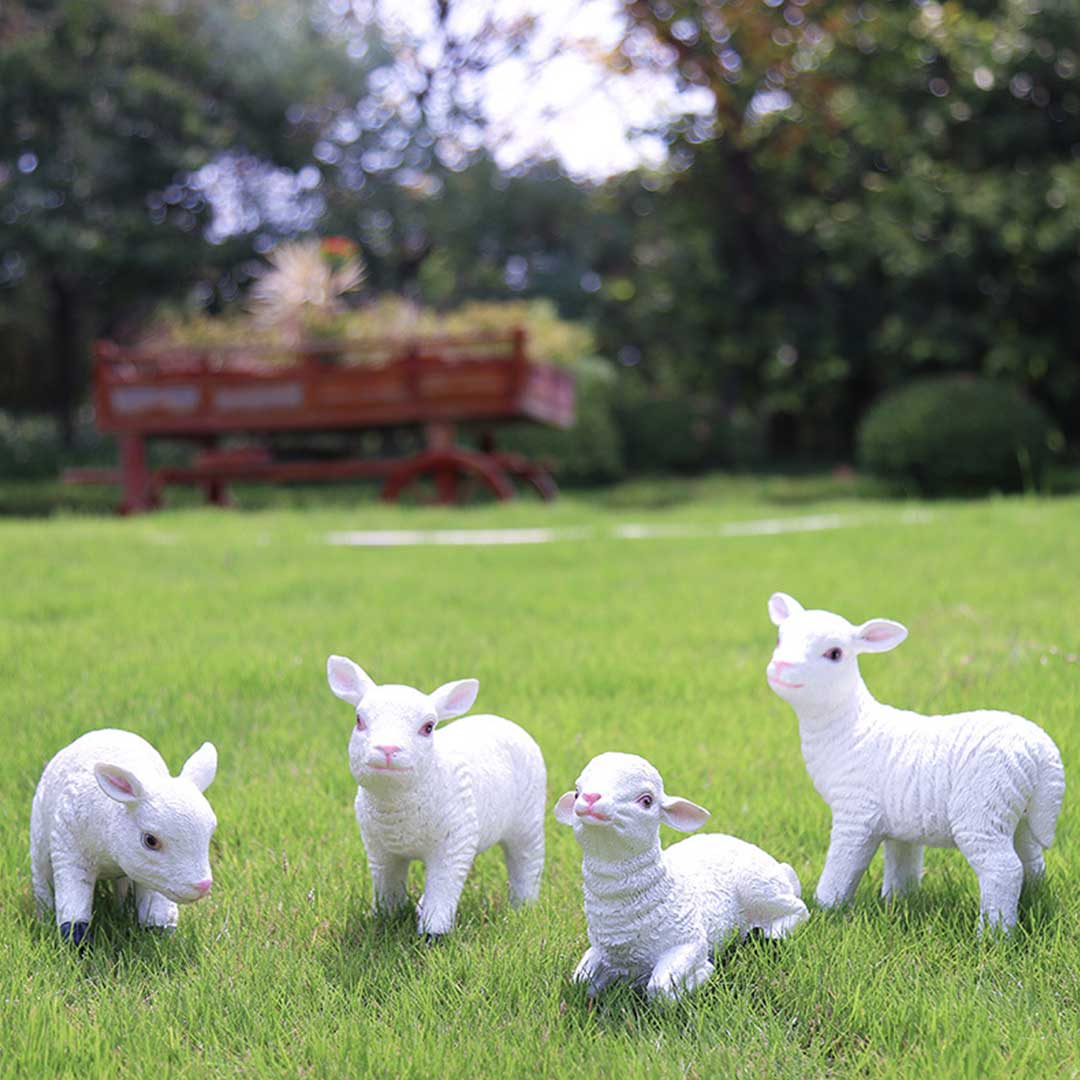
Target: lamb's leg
[[680, 970], [40, 866], [524, 866], [1030, 851], [1000, 873], [74, 889], [595, 970], [155, 911], [444, 878], [122, 889], [851, 847], [903, 867], [388, 877]]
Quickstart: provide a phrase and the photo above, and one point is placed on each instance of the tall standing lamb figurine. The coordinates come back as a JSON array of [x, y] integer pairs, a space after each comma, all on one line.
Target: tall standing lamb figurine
[[106, 807], [440, 796], [988, 783], [655, 917]]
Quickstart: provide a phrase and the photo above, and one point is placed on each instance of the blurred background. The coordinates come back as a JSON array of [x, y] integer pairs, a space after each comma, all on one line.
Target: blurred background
[[764, 234]]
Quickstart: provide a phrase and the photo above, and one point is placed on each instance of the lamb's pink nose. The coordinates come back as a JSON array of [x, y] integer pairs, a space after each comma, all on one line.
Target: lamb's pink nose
[[389, 751], [779, 665], [204, 886], [589, 798]]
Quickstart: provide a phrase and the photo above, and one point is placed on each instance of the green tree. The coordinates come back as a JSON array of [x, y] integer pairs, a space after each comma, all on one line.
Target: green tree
[[885, 189], [107, 110]]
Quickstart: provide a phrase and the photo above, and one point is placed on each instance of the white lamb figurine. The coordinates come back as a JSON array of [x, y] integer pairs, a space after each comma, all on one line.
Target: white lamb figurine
[[440, 796], [988, 783], [655, 917], [106, 807]]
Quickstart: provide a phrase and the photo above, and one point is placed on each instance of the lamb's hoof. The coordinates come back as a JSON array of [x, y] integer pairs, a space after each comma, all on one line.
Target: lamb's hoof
[[77, 933], [433, 939], [164, 931]]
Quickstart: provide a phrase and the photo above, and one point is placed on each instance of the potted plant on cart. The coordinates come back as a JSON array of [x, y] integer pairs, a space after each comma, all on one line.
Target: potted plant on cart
[[300, 293]]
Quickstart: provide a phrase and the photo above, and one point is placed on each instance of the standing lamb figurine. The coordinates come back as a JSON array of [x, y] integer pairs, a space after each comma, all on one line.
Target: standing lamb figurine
[[655, 917], [440, 796], [988, 783], [106, 807]]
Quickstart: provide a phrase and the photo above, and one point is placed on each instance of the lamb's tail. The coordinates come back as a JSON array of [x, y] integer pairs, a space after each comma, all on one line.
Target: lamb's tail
[[782, 910], [1046, 799], [783, 926], [789, 872]]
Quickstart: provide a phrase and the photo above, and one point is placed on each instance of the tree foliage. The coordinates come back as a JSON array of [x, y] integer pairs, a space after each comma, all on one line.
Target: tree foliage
[[107, 110], [880, 191], [888, 189]]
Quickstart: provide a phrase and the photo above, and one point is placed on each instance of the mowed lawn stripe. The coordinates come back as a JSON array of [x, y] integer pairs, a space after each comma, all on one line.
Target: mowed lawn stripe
[[196, 625]]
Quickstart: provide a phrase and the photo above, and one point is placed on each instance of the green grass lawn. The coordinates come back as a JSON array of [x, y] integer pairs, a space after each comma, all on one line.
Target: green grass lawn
[[193, 625]]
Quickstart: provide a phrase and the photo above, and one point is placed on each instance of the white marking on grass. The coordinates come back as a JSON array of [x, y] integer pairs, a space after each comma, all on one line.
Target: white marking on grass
[[629, 531], [760, 527], [453, 537]]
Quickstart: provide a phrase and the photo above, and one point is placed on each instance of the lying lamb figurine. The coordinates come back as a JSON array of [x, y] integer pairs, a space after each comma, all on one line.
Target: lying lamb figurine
[[655, 917], [440, 797], [106, 807], [989, 783]]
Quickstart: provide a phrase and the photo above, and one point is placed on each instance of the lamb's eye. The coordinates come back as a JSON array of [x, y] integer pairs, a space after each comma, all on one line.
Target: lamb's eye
[[834, 654], [151, 842], [360, 725], [428, 728], [645, 800]]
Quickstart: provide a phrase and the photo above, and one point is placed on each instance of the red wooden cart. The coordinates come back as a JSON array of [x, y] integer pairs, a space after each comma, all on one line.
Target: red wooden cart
[[430, 384]]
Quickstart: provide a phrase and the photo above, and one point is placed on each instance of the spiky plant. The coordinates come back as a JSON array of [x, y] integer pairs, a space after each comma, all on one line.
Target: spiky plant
[[300, 293]]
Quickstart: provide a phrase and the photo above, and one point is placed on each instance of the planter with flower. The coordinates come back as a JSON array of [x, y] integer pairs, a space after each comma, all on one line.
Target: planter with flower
[[299, 296]]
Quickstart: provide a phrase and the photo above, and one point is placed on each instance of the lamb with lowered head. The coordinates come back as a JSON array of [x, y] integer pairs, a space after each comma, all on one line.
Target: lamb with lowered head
[[106, 807]]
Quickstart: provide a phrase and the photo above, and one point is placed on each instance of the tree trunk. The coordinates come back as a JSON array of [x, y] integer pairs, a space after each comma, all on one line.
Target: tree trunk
[[67, 357]]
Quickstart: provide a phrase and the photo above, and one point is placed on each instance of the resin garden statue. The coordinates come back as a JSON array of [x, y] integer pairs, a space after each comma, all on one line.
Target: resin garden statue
[[655, 917], [988, 783], [440, 796], [107, 808]]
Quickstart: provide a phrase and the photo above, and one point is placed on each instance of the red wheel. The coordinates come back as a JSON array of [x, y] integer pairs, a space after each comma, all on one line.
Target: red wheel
[[448, 468], [531, 472]]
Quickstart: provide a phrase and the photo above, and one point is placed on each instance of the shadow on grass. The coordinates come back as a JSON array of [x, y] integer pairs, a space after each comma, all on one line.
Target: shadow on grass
[[116, 943], [366, 943], [370, 947], [625, 1009], [947, 906]]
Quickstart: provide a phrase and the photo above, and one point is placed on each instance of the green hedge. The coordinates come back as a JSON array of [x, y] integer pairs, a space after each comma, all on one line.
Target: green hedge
[[666, 431], [624, 427], [591, 451], [956, 434]]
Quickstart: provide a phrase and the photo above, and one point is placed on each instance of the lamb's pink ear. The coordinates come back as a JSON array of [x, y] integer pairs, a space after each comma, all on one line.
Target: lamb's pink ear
[[682, 814], [564, 808], [201, 767], [454, 698], [119, 784], [347, 680], [879, 635], [782, 607]]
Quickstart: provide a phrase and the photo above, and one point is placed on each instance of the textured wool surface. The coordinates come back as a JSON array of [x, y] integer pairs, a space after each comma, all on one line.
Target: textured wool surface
[[107, 808], [989, 783], [656, 916], [440, 797]]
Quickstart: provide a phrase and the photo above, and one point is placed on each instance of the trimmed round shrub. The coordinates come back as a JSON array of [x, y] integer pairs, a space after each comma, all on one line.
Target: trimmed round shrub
[[955, 434]]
